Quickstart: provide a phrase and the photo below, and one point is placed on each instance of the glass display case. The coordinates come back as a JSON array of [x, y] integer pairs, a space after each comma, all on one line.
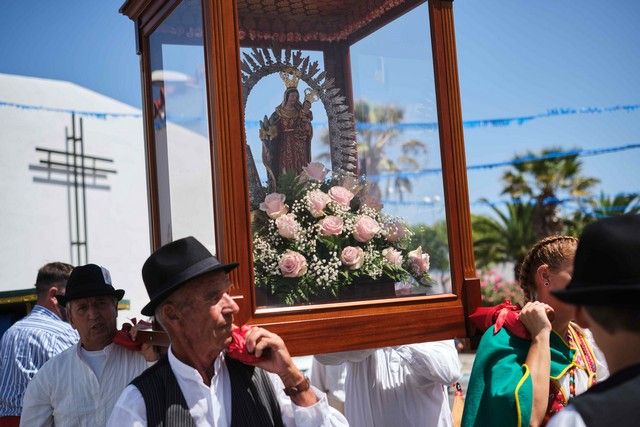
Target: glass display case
[[318, 143]]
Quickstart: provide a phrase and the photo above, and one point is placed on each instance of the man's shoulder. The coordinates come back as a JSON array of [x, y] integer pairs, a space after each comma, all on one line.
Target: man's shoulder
[[58, 361], [156, 373]]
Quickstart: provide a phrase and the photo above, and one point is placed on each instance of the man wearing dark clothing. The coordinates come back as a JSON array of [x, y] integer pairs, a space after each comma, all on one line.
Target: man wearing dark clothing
[[197, 383], [606, 290]]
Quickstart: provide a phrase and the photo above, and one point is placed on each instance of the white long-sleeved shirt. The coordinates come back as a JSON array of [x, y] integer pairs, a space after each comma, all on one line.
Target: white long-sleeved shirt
[[211, 405], [398, 386], [66, 392]]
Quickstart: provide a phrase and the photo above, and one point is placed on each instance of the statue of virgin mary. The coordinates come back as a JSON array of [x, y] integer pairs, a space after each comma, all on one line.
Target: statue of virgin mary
[[286, 134]]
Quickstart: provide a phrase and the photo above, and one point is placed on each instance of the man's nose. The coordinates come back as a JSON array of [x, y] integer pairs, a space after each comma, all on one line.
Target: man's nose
[[92, 312], [230, 306]]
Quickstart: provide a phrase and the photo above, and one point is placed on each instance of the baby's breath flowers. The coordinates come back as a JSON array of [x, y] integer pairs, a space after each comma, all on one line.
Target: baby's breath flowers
[[316, 235]]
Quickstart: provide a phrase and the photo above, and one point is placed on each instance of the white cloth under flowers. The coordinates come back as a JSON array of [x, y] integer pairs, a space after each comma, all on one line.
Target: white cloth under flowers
[[398, 386]]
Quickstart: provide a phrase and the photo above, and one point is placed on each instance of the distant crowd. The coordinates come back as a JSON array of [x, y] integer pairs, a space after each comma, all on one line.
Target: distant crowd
[[569, 357]]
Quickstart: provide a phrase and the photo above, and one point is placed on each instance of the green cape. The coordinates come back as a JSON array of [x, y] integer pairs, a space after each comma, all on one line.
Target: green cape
[[500, 390]]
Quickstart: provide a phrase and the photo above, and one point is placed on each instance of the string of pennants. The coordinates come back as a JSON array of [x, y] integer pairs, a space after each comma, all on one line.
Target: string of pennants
[[491, 122], [524, 159]]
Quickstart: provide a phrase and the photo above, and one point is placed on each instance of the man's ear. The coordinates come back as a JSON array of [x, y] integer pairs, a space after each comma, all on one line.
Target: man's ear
[[582, 318], [69, 314], [51, 295], [170, 313]]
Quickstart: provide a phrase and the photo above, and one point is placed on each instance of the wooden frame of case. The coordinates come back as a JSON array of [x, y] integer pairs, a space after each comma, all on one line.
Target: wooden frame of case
[[316, 328]]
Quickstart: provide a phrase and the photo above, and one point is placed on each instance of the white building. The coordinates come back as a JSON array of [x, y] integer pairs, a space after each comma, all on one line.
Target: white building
[[37, 211]]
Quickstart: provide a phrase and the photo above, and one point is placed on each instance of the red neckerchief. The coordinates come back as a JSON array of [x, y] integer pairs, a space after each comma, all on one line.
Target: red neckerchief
[[238, 348], [123, 336], [505, 314]]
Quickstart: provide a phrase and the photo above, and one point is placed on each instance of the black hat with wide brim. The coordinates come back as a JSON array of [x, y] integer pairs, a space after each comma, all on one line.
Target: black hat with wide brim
[[606, 269], [88, 281], [175, 264]]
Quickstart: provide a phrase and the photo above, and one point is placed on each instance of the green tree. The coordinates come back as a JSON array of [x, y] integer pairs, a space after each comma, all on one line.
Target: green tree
[[546, 181], [601, 207], [505, 238]]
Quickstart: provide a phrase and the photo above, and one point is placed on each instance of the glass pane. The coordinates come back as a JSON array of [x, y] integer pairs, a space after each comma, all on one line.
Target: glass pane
[[344, 164], [181, 126]]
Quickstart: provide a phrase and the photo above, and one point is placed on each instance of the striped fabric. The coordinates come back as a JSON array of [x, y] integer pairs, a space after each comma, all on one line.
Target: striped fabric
[[24, 348]]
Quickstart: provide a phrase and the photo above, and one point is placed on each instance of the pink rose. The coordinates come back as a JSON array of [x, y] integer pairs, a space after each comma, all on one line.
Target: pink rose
[[352, 257], [331, 226], [365, 229], [395, 232], [288, 227], [418, 261], [292, 264], [274, 205], [315, 171], [341, 195], [393, 256], [316, 202]]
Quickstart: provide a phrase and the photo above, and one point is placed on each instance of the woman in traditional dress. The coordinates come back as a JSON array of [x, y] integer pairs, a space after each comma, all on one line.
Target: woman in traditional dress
[[287, 136], [527, 371]]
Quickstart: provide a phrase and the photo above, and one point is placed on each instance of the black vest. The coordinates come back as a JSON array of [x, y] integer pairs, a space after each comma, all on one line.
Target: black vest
[[613, 402], [253, 400]]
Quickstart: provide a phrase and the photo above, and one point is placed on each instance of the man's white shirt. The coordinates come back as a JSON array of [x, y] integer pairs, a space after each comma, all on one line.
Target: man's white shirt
[[66, 392], [211, 405], [398, 386]]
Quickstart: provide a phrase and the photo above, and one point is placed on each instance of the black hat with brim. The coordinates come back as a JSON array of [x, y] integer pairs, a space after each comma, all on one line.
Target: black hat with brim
[[606, 269], [174, 264], [88, 281]]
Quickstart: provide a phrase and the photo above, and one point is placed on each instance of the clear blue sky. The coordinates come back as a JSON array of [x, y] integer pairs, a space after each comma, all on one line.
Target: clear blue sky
[[515, 57]]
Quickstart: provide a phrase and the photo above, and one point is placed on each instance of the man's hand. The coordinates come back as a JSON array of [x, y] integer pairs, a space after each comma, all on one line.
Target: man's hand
[[149, 352], [147, 349], [276, 359]]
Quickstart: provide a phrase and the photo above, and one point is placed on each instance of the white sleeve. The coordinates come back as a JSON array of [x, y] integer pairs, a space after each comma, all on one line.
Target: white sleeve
[[318, 415], [568, 417], [36, 403], [129, 410], [436, 361], [344, 356]]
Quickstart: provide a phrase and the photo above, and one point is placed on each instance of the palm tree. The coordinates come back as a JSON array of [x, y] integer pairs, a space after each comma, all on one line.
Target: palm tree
[[546, 180], [601, 207], [506, 238], [374, 144]]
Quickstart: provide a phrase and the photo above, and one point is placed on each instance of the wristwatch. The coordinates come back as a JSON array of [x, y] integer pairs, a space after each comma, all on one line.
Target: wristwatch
[[298, 388]]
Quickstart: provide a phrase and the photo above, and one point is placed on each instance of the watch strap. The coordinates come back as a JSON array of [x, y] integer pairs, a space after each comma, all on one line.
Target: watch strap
[[303, 385]]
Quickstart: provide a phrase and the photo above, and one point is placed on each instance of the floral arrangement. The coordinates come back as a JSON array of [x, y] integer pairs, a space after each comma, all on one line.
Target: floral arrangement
[[317, 235], [495, 289]]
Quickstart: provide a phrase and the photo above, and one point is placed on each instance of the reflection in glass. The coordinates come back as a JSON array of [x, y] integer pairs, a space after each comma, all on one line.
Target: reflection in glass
[[181, 127], [346, 193]]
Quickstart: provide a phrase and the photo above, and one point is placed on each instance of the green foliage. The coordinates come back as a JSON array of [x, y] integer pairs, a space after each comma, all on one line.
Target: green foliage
[[601, 207], [506, 238], [545, 182]]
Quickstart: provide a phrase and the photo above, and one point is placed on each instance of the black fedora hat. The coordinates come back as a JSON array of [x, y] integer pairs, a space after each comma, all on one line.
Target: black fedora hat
[[89, 281], [606, 269], [174, 264]]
